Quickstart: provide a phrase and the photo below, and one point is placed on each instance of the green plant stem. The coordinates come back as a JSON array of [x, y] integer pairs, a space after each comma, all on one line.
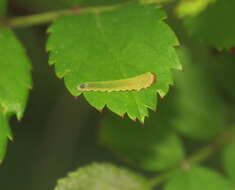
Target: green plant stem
[[199, 156], [43, 18], [35, 19]]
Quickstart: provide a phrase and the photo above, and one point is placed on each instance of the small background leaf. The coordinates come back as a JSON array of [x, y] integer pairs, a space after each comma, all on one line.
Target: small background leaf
[[127, 41], [15, 81], [228, 160], [196, 178], [192, 7], [102, 177], [201, 114], [154, 146], [214, 25]]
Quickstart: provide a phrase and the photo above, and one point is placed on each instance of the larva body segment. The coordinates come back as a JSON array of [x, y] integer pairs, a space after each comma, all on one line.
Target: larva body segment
[[134, 83]]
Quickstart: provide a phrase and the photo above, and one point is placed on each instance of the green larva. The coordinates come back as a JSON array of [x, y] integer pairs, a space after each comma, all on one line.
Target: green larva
[[134, 83]]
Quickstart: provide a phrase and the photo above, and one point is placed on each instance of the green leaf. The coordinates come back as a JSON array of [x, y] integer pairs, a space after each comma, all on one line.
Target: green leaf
[[196, 178], [111, 45], [215, 24], [201, 113], [3, 7], [102, 177], [228, 158], [192, 8], [15, 81], [152, 147]]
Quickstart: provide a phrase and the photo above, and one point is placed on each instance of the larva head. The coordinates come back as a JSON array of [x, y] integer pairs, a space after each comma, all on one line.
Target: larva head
[[82, 86]]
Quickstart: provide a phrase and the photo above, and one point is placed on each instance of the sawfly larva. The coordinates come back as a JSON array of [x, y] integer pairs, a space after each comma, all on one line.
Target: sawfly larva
[[134, 83]]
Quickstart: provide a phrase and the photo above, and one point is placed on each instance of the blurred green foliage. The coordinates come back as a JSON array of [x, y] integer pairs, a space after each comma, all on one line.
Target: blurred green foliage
[[198, 178], [213, 25], [197, 98], [154, 146], [228, 160], [186, 144], [192, 7]]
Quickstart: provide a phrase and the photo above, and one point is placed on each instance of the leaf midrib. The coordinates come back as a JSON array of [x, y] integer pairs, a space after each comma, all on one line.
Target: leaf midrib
[[100, 29]]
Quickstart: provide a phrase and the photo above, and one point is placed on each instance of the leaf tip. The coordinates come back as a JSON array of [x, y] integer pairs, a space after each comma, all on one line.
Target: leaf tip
[[122, 115], [11, 138], [100, 110], [75, 97]]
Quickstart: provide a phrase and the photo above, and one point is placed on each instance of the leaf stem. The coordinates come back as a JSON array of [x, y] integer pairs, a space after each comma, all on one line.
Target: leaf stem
[[199, 156], [46, 17]]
